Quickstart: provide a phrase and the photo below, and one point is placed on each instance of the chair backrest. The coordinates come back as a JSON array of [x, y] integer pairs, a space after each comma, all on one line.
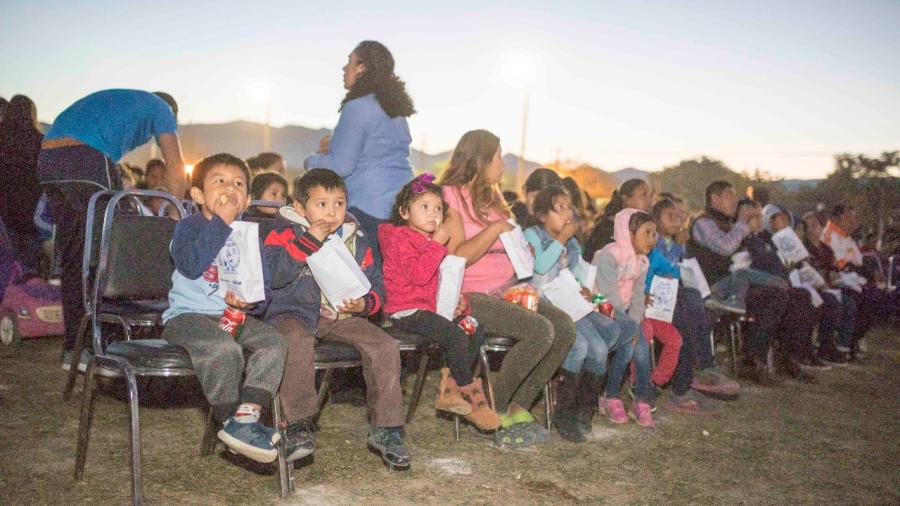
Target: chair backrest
[[138, 263]]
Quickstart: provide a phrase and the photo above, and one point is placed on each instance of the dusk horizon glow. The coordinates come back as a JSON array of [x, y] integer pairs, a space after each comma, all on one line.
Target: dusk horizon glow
[[774, 86]]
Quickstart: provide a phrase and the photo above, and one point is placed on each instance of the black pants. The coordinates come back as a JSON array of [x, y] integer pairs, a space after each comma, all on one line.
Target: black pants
[[73, 169], [459, 349], [767, 306], [692, 322]]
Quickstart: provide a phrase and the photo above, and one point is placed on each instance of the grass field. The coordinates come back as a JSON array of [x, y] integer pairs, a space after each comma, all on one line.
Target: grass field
[[834, 442]]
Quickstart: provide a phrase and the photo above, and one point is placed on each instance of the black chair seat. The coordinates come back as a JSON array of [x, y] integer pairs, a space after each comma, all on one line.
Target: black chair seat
[[499, 340], [151, 353], [135, 308], [407, 338], [328, 352]]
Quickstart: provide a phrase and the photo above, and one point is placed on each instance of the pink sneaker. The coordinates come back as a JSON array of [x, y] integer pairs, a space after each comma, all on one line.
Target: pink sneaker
[[613, 409], [640, 411]]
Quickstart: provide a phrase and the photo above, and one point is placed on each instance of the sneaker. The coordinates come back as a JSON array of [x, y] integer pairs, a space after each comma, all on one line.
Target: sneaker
[[731, 304], [613, 409], [252, 440], [388, 441], [815, 364], [842, 349], [713, 382], [640, 412], [298, 440], [693, 403], [758, 373], [832, 356], [863, 345], [655, 393]]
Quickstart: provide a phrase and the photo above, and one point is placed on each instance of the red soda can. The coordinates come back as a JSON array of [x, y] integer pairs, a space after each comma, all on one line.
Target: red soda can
[[529, 298], [232, 321], [605, 308], [469, 325]]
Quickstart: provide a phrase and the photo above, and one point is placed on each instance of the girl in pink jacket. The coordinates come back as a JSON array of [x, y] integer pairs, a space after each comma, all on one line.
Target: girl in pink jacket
[[621, 271], [413, 245]]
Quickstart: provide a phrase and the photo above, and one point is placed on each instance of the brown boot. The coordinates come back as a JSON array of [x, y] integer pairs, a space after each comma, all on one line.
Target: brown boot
[[449, 397], [482, 415]]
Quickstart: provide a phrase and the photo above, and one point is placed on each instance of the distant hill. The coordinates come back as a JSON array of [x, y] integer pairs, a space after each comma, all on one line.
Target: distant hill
[[793, 185], [630, 173], [294, 143]]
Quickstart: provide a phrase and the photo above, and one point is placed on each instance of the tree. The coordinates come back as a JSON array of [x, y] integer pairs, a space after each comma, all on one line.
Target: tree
[[690, 178], [879, 185]]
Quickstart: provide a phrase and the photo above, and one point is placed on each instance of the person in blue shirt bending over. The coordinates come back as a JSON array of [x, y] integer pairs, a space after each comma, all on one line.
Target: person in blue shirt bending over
[[370, 145], [79, 155]]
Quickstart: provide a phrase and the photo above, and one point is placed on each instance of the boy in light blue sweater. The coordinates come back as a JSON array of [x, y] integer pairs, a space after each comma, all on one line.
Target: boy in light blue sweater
[[219, 186]]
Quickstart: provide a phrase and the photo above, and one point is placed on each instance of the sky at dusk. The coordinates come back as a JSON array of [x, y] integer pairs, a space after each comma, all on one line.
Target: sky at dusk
[[781, 86]]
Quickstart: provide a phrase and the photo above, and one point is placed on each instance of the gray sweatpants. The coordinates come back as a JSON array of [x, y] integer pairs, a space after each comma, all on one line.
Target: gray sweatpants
[[218, 360]]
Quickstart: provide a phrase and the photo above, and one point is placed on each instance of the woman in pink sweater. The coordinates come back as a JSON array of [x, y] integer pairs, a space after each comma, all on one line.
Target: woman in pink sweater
[[413, 247]]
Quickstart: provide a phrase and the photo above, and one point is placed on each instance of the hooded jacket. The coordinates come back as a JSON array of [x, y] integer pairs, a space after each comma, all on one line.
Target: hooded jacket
[[620, 271], [294, 289]]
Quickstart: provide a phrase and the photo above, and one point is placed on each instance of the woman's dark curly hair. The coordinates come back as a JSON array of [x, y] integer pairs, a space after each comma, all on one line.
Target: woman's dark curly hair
[[379, 78], [406, 197]]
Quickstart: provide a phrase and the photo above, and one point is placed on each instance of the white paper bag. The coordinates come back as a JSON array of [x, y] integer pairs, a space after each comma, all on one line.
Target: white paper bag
[[790, 247], [809, 275], [665, 293], [337, 273], [518, 252], [450, 280], [796, 278], [564, 292], [586, 273], [692, 276], [239, 263]]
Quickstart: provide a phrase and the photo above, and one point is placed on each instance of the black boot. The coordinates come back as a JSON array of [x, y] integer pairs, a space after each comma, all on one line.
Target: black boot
[[564, 412], [586, 400]]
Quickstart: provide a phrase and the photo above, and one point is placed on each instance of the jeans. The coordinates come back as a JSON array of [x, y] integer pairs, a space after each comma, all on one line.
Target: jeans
[[624, 352], [595, 335], [692, 321], [739, 281]]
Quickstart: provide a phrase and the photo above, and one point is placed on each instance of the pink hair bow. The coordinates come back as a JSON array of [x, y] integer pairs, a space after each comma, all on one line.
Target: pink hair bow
[[419, 184]]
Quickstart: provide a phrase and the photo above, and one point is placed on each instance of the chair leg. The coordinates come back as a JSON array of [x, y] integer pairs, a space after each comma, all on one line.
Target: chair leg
[[456, 427], [323, 392], [652, 347], [208, 445], [84, 425], [732, 332], [76, 358], [548, 404], [133, 404], [285, 468], [486, 370], [417, 388]]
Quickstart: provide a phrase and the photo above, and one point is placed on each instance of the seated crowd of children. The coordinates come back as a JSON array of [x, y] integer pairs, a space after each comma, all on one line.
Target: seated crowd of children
[[811, 313]]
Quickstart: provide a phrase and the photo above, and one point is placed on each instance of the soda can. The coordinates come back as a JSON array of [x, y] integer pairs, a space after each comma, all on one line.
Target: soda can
[[529, 298], [232, 321], [605, 308], [469, 325]]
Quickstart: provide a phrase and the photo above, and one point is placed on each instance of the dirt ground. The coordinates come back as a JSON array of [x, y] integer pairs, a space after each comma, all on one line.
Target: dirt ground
[[835, 442]]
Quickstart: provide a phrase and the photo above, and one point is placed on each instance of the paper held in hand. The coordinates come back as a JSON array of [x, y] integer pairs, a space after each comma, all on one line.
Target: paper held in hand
[[518, 251], [692, 276], [664, 292], [565, 293], [450, 285], [337, 273], [586, 273], [239, 263], [790, 247]]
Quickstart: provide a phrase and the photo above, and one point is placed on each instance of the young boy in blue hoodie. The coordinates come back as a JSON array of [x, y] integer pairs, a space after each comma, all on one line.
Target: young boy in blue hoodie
[[303, 315], [219, 187]]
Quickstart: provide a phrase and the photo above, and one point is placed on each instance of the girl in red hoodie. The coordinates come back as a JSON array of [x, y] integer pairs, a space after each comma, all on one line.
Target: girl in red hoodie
[[413, 244]]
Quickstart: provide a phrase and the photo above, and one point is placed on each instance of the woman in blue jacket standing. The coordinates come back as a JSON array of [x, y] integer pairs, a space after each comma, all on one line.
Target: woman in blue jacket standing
[[370, 144]]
